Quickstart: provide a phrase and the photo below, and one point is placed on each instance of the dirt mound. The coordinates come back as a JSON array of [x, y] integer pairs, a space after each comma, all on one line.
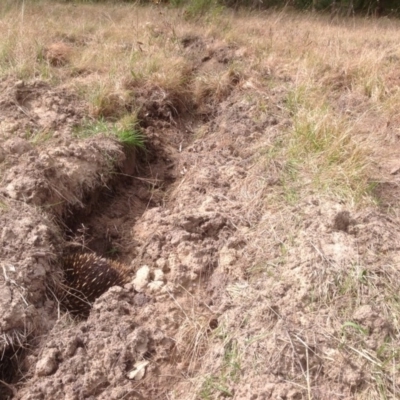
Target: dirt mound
[[40, 181], [58, 54], [277, 307], [29, 244], [60, 177], [35, 110], [95, 358]]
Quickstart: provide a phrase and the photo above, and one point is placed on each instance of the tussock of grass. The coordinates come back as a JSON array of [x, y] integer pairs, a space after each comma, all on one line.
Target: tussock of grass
[[322, 145], [39, 137], [103, 102], [125, 131], [128, 133]]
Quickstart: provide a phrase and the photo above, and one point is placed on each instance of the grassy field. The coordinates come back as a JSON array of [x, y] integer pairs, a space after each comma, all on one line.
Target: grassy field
[[316, 301]]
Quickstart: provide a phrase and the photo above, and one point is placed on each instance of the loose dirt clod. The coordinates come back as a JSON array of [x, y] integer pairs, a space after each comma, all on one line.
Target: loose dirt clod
[[58, 54]]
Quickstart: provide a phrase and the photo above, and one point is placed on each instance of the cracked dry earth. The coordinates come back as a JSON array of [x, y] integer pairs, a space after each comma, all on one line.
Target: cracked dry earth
[[215, 307]]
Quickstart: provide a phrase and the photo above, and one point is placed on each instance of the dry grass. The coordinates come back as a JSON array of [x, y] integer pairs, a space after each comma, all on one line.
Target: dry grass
[[336, 84], [192, 339]]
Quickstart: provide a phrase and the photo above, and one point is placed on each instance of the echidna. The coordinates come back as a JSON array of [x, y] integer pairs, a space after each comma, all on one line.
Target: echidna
[[86, 277]]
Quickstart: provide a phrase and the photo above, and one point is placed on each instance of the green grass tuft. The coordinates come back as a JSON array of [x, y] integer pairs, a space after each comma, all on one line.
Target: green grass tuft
[[125, 131]]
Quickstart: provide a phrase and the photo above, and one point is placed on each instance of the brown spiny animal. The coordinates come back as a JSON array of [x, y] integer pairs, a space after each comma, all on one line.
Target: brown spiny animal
[[88, 276]]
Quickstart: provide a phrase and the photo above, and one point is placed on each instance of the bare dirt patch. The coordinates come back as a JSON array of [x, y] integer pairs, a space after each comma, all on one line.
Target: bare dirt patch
[[193, 281], [32, 110], [184, 249]]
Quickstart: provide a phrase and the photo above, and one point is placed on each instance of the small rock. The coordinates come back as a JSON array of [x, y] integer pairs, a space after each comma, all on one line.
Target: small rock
[[62, 117], [161, 263], [155, 286], [158, 275], [395, 170], [47, 365], [139, 370], [142, 278]]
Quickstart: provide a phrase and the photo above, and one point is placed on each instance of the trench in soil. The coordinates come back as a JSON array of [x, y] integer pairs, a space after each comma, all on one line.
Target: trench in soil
[[105, 224]]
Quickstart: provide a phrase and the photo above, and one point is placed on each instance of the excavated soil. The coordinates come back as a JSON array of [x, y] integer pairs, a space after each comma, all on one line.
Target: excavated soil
[[60, 192], [192, 220]]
